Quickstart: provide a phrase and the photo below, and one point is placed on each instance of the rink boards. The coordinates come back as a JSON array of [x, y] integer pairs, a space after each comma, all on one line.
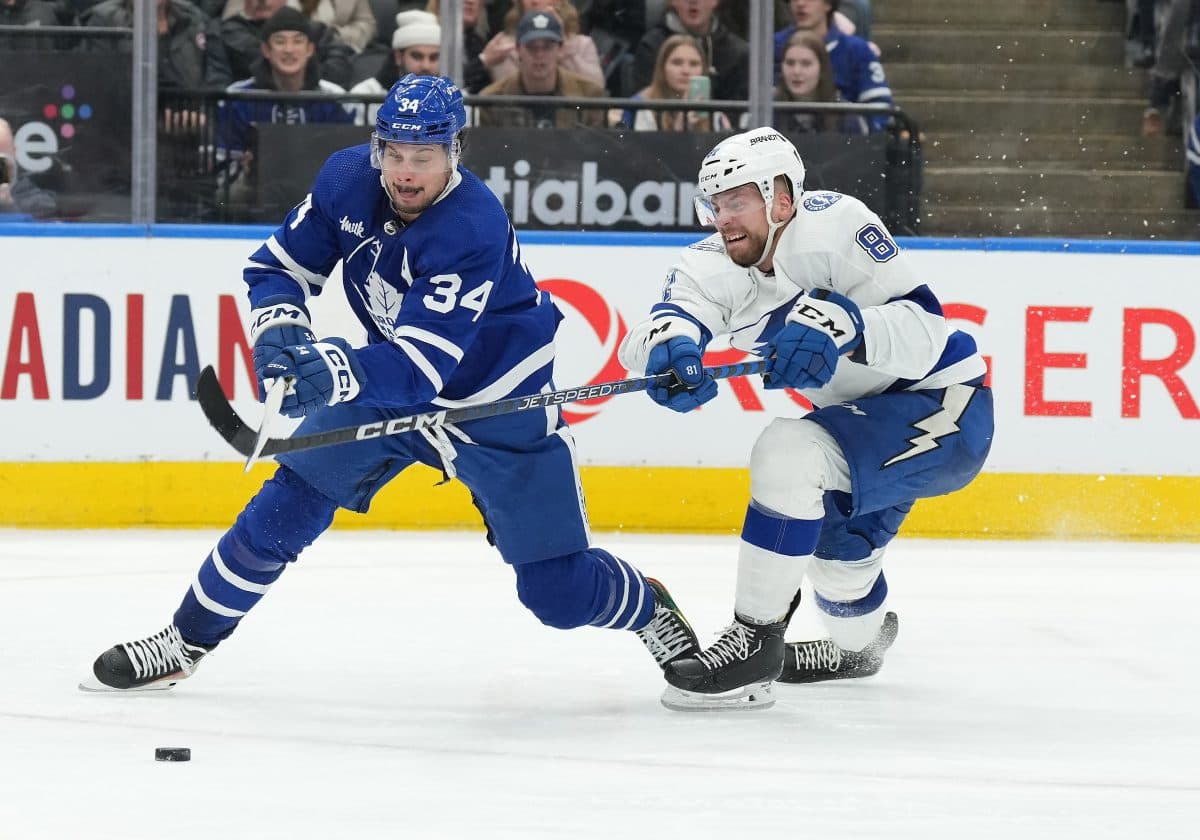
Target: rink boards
[[1091, 349]]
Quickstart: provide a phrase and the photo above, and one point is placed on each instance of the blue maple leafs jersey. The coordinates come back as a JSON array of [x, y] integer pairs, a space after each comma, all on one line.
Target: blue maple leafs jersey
[[452, 314], [857, 71]]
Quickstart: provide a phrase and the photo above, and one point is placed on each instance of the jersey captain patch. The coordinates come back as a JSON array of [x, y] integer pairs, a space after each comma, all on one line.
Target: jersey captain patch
[[821, 200]]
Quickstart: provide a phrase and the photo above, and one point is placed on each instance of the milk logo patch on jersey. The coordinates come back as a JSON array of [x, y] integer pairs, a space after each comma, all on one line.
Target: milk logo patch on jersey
[[821, 201], [357, 228]]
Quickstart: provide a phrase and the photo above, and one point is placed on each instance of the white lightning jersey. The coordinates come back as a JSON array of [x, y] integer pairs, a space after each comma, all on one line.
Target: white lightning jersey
[[834, 243]]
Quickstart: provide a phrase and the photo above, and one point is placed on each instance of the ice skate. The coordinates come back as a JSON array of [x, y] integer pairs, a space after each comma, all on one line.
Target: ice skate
[[668, 636], [821, 660], [734, 674], [155, 663]]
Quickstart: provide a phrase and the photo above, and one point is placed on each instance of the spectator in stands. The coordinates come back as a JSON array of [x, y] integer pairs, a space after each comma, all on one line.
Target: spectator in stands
[[615, 27], [539, 44], [1168, 67], [32, 13], [416, 48], [726, 56], [20, 196], [240, 44], [679, 61], [288, 64], [352, 21], [807, 76], [475, 37], [184, 58], [578, 53], [1139, 33], [857, 72]]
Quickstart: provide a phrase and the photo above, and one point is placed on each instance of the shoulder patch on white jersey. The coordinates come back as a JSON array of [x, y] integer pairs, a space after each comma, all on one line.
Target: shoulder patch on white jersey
[[713, 244], [821, 200]]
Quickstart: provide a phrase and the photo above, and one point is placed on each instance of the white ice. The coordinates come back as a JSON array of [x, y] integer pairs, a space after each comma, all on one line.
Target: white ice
[[391, 685]]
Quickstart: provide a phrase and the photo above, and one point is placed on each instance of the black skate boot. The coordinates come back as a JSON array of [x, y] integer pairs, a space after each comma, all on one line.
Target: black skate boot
[[151, 664], [809, 662], [668, 636], [735, 673]]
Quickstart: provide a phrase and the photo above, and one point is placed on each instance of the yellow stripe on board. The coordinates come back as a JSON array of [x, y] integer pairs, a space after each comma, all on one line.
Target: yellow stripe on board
[[668, 499]]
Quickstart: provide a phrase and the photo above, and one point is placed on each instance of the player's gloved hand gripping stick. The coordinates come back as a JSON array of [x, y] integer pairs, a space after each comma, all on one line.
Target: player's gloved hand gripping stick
[[222, 416]]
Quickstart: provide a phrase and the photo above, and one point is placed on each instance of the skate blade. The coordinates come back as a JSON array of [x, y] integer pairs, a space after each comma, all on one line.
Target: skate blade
[[94, 686], [747, 698]]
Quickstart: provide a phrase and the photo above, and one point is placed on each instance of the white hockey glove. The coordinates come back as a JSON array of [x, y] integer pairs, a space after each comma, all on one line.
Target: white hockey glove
[[821, 326]]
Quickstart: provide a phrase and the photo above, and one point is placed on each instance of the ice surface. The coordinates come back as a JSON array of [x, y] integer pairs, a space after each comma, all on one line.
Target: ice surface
[[391, 685]]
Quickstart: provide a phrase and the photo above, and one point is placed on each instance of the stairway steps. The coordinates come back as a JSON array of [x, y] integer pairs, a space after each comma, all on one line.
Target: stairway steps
[[1015, 79], [1098, 151], [1052, 189], [1052, 115], [1019, 14], [1002, 46], [970, 220]]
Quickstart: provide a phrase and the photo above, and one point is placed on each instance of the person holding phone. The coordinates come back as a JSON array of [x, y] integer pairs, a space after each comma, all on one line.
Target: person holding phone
[[678, 75]]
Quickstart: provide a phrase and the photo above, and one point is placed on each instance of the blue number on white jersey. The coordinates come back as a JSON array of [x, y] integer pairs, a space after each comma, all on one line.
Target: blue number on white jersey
[[876, 243]]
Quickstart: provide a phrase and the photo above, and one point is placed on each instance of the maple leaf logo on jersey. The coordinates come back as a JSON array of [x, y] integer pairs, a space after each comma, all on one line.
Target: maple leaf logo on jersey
[[381, 297]]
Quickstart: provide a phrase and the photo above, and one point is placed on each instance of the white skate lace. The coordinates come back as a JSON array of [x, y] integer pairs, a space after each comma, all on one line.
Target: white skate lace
[[815, 656], [665, 635], [734, 644], [163, 653]]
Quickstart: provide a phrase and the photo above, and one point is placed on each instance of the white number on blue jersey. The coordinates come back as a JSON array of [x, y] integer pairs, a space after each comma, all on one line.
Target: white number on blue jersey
[[445, 296], [477, 299]]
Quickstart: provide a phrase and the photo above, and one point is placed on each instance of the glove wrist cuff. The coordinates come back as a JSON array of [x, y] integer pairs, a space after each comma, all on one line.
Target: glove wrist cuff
[[341, 371], [276, 315]]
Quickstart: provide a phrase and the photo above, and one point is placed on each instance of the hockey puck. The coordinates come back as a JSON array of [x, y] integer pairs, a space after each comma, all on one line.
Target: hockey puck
[[172, 754]]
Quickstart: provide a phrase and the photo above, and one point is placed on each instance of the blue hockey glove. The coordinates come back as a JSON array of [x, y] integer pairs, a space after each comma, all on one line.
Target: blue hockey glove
[[321, 374], [821, 326], [278, 322], [692, 387]]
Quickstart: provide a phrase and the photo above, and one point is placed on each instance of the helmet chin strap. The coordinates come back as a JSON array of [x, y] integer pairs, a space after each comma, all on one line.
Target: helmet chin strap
[[772, 231]]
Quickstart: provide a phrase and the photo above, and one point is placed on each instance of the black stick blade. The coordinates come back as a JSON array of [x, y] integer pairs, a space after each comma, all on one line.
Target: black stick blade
[[221, 415]]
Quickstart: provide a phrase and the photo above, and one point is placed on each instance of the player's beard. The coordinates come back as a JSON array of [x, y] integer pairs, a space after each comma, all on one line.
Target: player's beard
[[749, 250]]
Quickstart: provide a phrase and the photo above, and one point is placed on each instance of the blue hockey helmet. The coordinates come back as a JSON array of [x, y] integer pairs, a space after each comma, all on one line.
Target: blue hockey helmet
[[421, 109]]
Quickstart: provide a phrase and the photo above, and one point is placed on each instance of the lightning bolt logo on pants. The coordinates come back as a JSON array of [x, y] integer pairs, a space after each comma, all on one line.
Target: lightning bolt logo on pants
[[940, 424]]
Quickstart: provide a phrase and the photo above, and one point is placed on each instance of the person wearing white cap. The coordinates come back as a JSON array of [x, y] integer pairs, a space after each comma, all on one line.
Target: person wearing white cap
[[416, 48]]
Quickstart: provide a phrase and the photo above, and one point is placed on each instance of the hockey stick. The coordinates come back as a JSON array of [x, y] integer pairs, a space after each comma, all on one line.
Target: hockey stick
[[222, 416]]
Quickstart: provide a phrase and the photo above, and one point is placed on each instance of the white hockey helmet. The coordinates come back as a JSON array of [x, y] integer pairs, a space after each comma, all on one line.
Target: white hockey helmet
[[753, 157]]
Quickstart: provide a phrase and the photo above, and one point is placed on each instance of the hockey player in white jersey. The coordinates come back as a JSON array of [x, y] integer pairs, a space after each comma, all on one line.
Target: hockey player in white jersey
[[814, 283]]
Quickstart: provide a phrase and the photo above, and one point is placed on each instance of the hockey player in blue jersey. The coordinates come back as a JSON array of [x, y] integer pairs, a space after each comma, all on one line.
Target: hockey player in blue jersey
[[814, 283], [432, 268]]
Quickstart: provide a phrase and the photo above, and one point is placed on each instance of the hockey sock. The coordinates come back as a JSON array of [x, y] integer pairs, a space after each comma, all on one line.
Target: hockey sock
[[774, 554], [852, 625], [587, 587], [284, 518], [629, 604]]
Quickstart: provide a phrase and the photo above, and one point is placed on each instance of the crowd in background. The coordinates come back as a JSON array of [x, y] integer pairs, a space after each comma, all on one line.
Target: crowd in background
[[653, 50]]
